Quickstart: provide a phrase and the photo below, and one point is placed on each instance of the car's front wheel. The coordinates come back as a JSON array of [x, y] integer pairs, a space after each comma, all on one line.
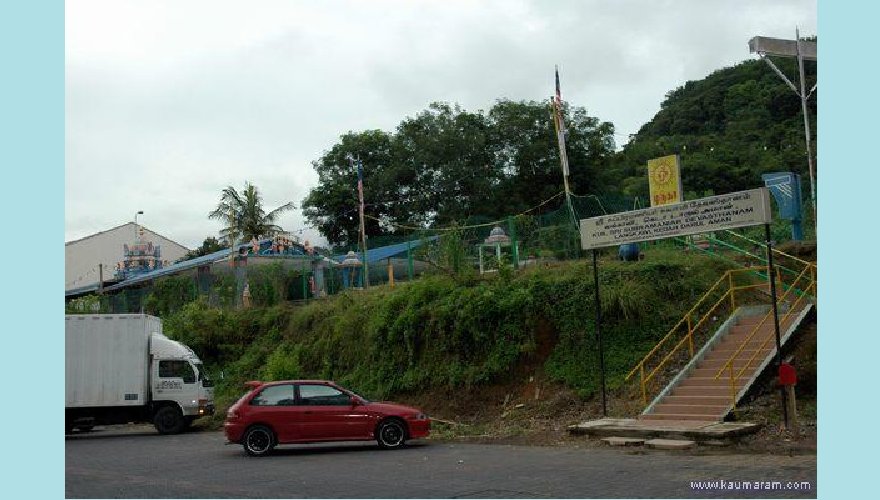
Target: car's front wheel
[[258, 441], [391, 434]]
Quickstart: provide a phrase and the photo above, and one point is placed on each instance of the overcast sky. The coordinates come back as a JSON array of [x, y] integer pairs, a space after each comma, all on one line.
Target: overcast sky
[[168, 102]]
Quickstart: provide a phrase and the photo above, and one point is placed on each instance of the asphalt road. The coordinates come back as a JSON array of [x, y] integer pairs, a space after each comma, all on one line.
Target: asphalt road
[[138, 463]]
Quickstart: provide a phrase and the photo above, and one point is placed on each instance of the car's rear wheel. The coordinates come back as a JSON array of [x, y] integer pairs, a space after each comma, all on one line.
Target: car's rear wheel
[[258, 441], [391, 434]]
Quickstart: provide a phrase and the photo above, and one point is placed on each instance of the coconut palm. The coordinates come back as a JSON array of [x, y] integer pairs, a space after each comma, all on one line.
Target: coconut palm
[[243, 212]]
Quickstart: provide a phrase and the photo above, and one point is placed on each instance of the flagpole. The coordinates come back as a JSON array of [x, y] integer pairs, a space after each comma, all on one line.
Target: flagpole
[[559, 125]]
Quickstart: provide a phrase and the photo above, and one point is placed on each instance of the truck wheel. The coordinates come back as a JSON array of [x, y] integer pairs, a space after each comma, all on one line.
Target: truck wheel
[[168, 420]]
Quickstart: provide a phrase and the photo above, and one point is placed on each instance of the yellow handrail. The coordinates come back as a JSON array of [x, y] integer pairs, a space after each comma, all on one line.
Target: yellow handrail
[[727, 278], [810, 286], [757, 327], [782, 321]]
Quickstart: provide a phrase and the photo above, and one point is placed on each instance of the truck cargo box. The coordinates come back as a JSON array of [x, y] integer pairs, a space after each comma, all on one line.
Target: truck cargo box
[[107, 359]]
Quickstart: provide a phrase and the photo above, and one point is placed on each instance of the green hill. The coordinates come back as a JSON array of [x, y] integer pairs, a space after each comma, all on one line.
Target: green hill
[[729, 128]]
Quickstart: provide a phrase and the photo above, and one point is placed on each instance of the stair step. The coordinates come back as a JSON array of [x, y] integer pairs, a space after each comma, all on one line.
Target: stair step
[[697, 400], [679, 409], [710, 373], [757, 341], [749, 320], [740, 330], [738, 363], [733, 347], [708, 382], [717, 391], [678, 416]]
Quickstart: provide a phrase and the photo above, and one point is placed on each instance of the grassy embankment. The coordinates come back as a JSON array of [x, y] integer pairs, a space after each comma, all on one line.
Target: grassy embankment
[[440, 333]]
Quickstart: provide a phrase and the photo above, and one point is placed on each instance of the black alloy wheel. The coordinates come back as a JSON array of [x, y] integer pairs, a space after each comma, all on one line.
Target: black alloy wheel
[[391, 434], [258, 441]]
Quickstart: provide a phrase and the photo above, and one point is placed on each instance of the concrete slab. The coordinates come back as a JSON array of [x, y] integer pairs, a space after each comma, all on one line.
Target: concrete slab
[[666, 429], [623, 441], [670, 444]]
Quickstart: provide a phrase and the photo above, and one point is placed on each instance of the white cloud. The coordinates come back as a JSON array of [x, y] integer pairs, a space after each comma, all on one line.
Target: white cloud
[[168, 102]]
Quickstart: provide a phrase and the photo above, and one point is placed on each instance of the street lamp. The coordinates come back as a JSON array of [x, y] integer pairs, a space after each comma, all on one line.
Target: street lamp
[[800, 49], [139, 212]]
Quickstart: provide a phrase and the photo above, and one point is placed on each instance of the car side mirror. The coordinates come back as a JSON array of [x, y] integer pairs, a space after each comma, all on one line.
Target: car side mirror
[[355, 401]]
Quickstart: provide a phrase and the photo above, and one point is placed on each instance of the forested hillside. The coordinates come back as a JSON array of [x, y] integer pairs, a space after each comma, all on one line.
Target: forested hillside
[[729, 128], [449, 165]]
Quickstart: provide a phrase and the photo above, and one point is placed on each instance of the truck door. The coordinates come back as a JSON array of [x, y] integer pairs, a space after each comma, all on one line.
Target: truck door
[[176, 381]]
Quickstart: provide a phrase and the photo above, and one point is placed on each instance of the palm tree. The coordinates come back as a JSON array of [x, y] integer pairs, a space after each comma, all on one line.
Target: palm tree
[[244, 214]]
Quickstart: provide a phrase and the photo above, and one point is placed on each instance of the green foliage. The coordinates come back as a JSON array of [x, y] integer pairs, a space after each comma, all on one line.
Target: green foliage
[[209, 246], [447, 164], [728, 128], [244, 215], [440, 332], [87, 304], [169, 294]]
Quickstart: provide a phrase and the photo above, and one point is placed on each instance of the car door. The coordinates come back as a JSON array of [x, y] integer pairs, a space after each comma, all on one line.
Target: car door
[[275, 406], [328, 415]]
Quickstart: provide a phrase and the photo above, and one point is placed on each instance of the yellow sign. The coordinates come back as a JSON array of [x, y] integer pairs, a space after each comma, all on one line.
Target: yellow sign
[[664, 180]]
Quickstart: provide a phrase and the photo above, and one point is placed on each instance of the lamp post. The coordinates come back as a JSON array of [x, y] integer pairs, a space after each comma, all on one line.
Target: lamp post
[[801, 50], [139, 212]]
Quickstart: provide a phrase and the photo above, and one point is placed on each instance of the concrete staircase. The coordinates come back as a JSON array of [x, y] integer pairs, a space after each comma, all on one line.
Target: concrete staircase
[[695, 395]]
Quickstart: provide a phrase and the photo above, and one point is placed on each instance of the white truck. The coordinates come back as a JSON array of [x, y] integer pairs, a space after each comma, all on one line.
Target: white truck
[[120, 368]]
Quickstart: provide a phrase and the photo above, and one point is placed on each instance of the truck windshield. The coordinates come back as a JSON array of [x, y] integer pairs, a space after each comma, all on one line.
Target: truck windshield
[[206, 382]]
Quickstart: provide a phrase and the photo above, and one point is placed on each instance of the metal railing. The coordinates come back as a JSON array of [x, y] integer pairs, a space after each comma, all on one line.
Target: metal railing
[[725, 289], [797, 294]]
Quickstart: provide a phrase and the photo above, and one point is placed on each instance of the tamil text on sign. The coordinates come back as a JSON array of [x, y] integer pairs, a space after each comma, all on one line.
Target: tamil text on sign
[[743, 208]]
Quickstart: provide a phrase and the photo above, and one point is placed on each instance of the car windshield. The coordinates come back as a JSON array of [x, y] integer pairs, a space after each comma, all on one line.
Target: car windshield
[[203, 376]]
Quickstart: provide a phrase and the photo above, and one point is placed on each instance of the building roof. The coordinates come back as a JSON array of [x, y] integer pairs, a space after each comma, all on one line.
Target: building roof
[[99, 233], [373, 255]]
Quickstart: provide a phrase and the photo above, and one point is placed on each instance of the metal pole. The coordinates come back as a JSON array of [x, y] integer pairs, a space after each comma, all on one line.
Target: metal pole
[[511, 226], [772, 277], [409, 260], [803, 95], [599, 335], [100, 279], [139, 212], [366, 276]]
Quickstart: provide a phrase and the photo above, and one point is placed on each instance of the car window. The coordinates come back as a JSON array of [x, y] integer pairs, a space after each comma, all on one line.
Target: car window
[[322, 395], [274, 395]]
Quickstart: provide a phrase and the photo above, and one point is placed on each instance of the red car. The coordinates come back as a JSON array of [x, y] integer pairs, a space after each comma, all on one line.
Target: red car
[[310, 411]]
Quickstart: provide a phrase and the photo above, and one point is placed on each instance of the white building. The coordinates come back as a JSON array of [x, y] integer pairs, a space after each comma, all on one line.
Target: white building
[[82, 256]]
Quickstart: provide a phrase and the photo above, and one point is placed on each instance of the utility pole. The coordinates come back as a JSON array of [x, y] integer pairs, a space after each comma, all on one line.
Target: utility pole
[[360, 172]]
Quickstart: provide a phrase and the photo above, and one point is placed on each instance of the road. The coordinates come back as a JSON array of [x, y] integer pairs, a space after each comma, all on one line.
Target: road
[[135, 462]]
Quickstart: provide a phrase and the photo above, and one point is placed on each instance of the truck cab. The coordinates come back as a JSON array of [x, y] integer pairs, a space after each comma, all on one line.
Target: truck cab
[[178, 381]]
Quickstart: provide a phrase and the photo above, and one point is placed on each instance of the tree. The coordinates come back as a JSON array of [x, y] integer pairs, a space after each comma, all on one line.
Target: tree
[[244, 214], [332, 206], [209, 246], [449, 165]]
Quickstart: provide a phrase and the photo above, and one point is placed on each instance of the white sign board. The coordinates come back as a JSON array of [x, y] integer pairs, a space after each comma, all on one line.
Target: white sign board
[[727, 211]]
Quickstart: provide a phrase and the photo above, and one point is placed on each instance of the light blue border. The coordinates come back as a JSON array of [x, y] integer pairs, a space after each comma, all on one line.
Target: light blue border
[[32, 161], [848, 301]]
